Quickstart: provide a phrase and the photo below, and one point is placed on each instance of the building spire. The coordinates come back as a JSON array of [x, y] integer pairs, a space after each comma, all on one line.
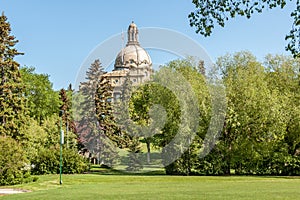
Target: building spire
[[122, 46], [132, 34]]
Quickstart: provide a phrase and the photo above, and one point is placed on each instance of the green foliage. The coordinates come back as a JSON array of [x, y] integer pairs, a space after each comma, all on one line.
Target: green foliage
[[87, 126], [209, 13], [35, 138], [12, 101], [260, 134], [47, 162], [50, 126], [95, 117], [73, 163], [14, 167], [42, 100], [193, 74], [67, 118], [129, 131], [29, 119], [261, 130], [107, 129], [104, 114]]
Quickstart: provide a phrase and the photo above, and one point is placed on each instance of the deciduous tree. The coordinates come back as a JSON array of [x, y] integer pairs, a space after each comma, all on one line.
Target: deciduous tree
[[211, 12], [42, 100]]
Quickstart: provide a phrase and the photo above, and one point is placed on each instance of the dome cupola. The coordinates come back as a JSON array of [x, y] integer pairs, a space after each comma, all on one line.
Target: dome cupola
[[133, 55], [132, 34]]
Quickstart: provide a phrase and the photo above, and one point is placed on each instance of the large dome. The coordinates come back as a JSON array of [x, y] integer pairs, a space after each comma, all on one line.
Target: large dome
[[133, 55]]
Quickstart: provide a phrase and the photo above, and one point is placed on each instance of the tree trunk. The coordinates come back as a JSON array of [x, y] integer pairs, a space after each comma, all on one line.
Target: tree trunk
[[148, 150], [228, 162]]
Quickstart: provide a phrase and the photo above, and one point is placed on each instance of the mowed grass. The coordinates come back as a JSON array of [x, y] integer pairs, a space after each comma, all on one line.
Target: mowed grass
[[95, 186]]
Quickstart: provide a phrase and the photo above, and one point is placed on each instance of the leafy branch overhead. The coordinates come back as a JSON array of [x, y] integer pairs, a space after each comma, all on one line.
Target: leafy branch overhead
[[211, 12]]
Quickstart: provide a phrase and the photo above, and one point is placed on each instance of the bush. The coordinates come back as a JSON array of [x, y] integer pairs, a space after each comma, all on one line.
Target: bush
[[73, 163], [13, 167], [47, 162]]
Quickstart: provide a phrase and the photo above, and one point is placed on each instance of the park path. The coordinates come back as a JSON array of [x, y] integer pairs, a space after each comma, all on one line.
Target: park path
[[4, 191]]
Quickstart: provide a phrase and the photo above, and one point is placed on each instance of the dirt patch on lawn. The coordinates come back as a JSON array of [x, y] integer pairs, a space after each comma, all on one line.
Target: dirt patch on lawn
[[6, 191]]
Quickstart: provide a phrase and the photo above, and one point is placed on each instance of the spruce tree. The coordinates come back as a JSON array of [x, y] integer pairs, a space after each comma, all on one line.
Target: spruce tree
[[88, 128], [107, 137], [12, 101], [103, 100], [67, 117], [93, 126]]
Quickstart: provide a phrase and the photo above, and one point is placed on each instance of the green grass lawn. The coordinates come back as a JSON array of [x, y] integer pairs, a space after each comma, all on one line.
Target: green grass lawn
[[116, 186]]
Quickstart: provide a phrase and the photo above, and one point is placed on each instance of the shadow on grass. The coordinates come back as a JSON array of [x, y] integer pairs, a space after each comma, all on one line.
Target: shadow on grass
[[103, 170]]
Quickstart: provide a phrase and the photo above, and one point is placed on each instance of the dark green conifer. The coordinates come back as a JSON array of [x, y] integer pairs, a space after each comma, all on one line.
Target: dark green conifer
[[12, 101]]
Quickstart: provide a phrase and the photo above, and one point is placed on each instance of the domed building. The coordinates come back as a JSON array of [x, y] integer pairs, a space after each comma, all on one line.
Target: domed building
[[133, 61]]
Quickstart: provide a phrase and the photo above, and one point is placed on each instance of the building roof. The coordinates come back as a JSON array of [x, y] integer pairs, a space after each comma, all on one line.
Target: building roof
[[133, 55]]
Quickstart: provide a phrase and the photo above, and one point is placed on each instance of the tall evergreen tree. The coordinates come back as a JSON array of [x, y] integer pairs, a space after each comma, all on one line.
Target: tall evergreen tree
[[12, 101], [107, 137], [67, 117], [103, 106], [88, 128], [95, 121]]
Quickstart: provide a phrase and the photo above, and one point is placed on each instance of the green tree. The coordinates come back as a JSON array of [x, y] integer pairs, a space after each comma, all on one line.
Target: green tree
[[283, 77], [103, 101], [95, 115], [67, 118], [145, 100], [140, 104], [12, 100], [209, 13], [42, 148], [42, 100], [194, 75], [107, 128], [129, 134], [88, 128], [35, 138], [258, 114]]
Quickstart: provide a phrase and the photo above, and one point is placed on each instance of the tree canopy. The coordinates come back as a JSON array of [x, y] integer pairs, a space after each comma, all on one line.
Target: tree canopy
[[211, 12]]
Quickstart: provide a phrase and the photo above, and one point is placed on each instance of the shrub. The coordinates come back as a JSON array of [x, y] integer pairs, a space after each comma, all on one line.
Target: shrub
[[73, 163], [13, 168], [47, 162]]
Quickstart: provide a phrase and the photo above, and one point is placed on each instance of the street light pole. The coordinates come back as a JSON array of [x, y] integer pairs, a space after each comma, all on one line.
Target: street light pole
[[61, 143]]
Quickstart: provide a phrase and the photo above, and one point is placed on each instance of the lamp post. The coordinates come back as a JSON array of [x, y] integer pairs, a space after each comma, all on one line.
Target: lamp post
[[61, 112]]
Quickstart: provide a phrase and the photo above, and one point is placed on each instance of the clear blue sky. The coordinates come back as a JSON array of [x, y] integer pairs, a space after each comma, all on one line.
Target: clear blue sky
[[57, 36]]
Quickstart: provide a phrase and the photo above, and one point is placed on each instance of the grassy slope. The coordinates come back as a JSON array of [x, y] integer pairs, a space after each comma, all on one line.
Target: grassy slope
[[93, 186]]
